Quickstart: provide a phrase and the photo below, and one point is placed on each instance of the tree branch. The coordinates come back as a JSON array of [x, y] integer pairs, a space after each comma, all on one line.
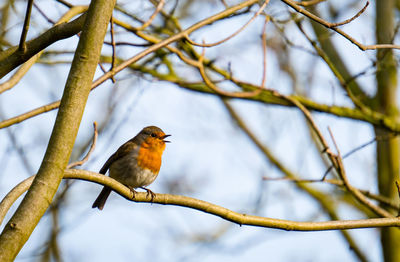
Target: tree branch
[[12, 57], [130, 61], [224, 213], [25, 28], [17, 76], [333, 26], [73, 102]]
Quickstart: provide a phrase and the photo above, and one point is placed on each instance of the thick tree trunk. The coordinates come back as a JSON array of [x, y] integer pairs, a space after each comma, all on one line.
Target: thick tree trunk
[[385, 102], [76, 92]]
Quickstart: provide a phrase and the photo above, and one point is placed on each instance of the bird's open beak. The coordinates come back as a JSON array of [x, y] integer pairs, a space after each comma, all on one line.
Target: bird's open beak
[[166, 141]]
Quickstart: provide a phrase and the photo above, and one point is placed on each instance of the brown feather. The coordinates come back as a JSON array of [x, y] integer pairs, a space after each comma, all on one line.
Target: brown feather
[[102, 198], [121, 152]]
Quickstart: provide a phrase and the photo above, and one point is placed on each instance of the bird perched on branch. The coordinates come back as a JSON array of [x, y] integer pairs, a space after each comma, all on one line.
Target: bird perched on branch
[[136, 163]]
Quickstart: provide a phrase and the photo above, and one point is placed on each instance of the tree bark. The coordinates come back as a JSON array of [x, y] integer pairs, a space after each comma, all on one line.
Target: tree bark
[[51, 171], [385, 102]]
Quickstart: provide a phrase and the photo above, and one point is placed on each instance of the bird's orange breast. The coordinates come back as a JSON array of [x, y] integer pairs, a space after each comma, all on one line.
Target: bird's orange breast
[[149, 158]]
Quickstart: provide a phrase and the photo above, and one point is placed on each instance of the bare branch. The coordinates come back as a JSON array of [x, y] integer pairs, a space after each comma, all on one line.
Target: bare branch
[[333, 26], [324, 200], [18, 75], [183, 201], [25, 28], [113, 47], [309, 3], [354, 191], [43, 14], [65, 3], [216, 89], [232, 35], [132, 60], [335, 71], [172, 39], [12, 57], [337, 161], [29, 114], [354, 151], [264, 50], [381, 199], [128, 44], [92, 147], [148, 22], [352, 18]]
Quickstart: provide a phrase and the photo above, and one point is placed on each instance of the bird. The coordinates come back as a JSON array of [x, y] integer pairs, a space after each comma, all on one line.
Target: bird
[[136, 163]]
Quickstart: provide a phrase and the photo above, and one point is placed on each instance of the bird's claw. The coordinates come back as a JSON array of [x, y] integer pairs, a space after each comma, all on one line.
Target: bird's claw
[[149, 192], [133, 192]]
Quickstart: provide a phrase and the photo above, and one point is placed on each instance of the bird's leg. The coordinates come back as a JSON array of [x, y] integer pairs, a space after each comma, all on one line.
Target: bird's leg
[[149, 192]]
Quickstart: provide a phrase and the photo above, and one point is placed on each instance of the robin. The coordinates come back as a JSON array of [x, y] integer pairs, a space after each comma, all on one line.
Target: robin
[[136, 163]]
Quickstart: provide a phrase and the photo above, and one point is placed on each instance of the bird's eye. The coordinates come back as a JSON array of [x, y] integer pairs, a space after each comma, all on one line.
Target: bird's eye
[[153, 135]]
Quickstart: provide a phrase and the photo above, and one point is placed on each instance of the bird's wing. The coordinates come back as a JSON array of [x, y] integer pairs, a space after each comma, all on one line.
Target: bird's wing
[[121, 152]]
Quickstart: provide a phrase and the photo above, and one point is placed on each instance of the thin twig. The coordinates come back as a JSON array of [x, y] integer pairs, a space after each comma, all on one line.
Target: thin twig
[[113, 48], [377, 138], [65, 3], [334, 142], [135, 58], [381, 199], [359, 148], [22, 70], [224, 3], [232, 35], [12, 58], [43, 14], [128, 43], [25, 28], [103, 69], [19, 149], [216, 89], [200, 65], [325, 201], [352, 18], [359, 104], [307, 114], [148, 22], [264, 51], [92, 147], [346, 112], [173, 38], [337, 161], [333, 27], [19, 74], [309, 3], [296, 180], [354, 191]]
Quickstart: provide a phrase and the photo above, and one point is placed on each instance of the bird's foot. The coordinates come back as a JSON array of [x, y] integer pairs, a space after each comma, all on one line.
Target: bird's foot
[[133, 192], [149, 192]]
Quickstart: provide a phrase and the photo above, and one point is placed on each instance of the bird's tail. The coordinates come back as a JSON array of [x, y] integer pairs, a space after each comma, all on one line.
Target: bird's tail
[[102, 198]]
